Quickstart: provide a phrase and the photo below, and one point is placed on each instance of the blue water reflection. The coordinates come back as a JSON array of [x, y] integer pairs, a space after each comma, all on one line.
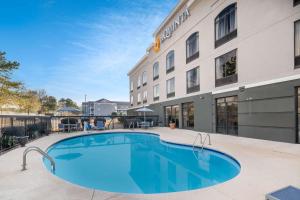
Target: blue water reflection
[[138, 163]]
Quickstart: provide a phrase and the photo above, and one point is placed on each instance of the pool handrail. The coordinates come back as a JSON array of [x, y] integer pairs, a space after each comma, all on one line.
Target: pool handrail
[[202, 142], [37, 149]]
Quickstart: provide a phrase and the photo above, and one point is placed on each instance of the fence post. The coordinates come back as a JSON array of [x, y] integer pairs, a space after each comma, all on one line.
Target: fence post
[[25, 127], [68, 124], [11, 122], [113, 122]]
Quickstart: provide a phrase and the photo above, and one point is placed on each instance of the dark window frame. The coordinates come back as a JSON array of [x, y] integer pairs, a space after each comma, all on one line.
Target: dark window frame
[[155, 98], [225, 101], [195, 88], [145, 100], [144, 74], [227, 79], [157, 76], [183, 106], [131, 89], [296, 58], [170, 94], [170, 68], [139, 102], [229, 36], [296, 2], [190, 58], [139, 82]]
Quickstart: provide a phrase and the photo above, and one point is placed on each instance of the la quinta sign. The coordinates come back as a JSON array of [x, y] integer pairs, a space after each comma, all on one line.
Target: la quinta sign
[[167, 33], [180, 19]]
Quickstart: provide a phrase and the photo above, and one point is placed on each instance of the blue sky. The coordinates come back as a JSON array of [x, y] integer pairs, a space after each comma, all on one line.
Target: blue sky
[[75, 47]]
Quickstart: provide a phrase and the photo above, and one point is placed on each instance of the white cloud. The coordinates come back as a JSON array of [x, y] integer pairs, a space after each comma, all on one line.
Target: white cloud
[[110, 45]]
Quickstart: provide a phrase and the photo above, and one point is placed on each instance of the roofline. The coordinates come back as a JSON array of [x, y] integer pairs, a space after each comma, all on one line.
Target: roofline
[[167, 19], [138, 63], [164, 22]]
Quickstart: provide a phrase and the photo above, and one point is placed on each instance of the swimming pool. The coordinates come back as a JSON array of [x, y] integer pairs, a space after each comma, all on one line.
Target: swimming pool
[[138, 163]]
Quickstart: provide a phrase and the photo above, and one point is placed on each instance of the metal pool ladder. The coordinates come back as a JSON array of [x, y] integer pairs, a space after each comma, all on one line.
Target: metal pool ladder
[[37, 149], [202, 142]]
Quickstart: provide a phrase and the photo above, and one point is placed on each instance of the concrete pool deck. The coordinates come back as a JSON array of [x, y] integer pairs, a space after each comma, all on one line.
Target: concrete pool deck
[[265, 166]]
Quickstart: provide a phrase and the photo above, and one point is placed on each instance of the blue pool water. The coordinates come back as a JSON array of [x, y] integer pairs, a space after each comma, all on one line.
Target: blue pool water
[[138, 163]]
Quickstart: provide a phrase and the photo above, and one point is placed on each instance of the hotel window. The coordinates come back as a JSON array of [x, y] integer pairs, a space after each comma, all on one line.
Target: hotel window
[[156, 92], [192, 47], [225, 25], [192, 80], [131, 100], [170, 61], [155, 71], [297, 44], [296, 2], [139, 98], [139, 82], [145, 94], [171, 87], [144, 78], [226, 70], [131, 86]]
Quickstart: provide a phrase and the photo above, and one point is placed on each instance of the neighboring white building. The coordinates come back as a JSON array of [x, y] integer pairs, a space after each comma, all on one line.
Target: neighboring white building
[[225, 66], [104, 107]]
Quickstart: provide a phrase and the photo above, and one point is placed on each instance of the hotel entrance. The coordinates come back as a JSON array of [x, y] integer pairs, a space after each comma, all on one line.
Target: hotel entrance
[[226, 115], [172, 115]]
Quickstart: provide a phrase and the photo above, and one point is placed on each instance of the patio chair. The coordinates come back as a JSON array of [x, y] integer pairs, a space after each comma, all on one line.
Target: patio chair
[[61, 127], [100, 125], [287, 193]]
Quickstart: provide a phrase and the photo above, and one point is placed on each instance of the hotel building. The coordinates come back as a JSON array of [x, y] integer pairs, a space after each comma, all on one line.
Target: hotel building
[[104, 107], [225, 66]]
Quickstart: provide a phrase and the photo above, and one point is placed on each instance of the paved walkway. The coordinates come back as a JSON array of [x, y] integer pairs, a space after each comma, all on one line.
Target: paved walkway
[[265, 167]]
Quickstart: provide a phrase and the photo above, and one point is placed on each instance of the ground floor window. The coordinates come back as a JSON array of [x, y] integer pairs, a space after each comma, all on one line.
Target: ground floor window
[[227, 115], [172, 115], [188, 112]]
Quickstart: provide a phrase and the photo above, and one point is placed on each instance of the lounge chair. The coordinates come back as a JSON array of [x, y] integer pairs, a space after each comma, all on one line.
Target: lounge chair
[[61, 127], [100, 125], [287, 193]]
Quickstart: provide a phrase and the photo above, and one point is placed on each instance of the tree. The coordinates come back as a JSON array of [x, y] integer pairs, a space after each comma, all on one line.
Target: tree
[[8, 89], [29, 101], [49, 104], [67, 103], [114, 114]]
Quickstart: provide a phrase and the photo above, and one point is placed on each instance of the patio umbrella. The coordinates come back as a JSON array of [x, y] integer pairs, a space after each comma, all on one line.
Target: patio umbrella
[[144, 110]]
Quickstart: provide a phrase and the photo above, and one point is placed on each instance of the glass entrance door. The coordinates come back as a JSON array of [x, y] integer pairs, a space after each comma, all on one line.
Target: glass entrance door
[[172, 115], [226, 115], [188, 115]]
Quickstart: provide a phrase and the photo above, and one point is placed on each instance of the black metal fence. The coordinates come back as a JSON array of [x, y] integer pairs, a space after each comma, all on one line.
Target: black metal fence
[[32, 127], [110, 122], [12, 127]]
